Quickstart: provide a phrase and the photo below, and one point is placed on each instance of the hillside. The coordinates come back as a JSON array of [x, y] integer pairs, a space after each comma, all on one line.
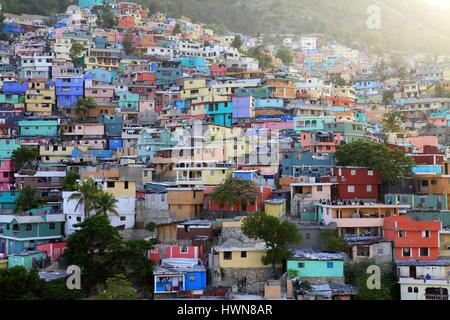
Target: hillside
[[407, 25]]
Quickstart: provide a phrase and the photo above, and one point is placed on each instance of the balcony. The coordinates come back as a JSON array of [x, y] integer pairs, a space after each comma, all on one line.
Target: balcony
[[359, 222], [437, 297]]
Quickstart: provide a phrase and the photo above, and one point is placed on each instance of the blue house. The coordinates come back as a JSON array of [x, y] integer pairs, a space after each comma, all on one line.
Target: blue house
[[113, 125], [99, 74], [179, 275], [115, 144], [89, 3], [220, 113], [68, 91], [7, 146], [197, 63], [167, 72], [15, 87], [8, 200], [309, 164]]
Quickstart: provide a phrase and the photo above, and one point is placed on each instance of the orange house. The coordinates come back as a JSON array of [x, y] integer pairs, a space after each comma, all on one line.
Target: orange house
[[126, 21], [413, 239]]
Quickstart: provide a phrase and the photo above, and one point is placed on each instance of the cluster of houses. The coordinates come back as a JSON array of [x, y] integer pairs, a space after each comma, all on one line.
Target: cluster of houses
[[161, 125]]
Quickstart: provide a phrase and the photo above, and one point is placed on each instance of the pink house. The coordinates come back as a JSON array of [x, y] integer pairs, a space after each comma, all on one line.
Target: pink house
[[276, 125], [6, 173], [54, 250], [420, 142], [175, 252]]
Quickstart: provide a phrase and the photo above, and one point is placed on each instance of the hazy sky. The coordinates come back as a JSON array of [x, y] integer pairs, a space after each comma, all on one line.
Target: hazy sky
[[438, 3]]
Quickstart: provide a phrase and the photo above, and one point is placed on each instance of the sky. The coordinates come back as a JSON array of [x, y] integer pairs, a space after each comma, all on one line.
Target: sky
[[439, 3]]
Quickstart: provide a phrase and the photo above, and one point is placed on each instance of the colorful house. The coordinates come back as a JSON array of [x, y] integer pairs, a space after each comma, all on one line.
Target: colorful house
[[27, 259]]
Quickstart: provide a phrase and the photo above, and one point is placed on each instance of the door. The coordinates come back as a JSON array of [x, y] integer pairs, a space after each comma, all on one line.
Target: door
[[412, 271]]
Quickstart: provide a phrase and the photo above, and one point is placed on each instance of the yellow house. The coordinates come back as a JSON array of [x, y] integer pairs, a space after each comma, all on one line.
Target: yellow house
[[57, 153], [40, 98], [444, 244], [119, 188], [235, 254], [275, 207]]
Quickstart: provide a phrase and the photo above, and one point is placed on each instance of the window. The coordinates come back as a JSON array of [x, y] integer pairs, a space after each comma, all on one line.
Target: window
[[227, 255], [180, 206], [406, 252], [410, 289], [301, 265], [351, 189], [380, 251], [243, 254], [369, 188], [78, 219], [56, 251], [192, 277], [307, 236], [52, 226], [126, 184], [330, 265], [110, 184], [319, 189], [28, 227], [416, 290], [425, 234], [433, 182], [370, 173], [353, 172], [424, 252], [402, 234], [123, 218]]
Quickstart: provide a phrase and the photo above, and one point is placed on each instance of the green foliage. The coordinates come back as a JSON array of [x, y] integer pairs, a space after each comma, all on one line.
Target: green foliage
[[105, 203], [76, 53], [285, 54], [41, 7], [101, 253], [440, 92], [150, 226], [388, 97], [339, 81], [105, 16], [264, 59], [393, 164], [127, 43], [235, 192], [332, 242], [117, 288], [86, 196], [177, 29], [18, 283], [70, 181], [23, 157], [27, 200], [88, 247], [356, 274], [393, 122], [237, 42], [279, 236]]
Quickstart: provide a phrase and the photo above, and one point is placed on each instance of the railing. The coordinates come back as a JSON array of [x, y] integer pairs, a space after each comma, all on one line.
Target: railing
[[440, 297]]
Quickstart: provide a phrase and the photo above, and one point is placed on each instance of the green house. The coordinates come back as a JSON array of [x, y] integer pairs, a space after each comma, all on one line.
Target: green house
[[22, 233], [7, 146], [27, 259], [317, 266]]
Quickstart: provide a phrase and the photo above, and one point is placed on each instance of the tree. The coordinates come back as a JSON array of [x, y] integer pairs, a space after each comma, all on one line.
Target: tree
[[177, 29], [105, 16], [23, 157], [235, 192], [356, 274], [440, 92], [388, 97], [339, 81], [393, 122], [27, 200], [118, 288], [285, 54], [84, 105], [87, 195], [105, 203], [76, 53], [332, 241], [237, 42], [90, 247], [393, 164], [264, 60], [17, 283], [127, 43], [70, 181], [277, 235]]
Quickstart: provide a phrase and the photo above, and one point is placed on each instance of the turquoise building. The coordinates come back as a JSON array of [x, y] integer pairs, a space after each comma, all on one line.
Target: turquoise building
[[24, 233], [27, 259], [415, 201], [11, 98], [314, 265], [89, 3], [38, 128], [151, 141], [7, 146], [220, 113], [129, 102], [8, 200], [312, 123]]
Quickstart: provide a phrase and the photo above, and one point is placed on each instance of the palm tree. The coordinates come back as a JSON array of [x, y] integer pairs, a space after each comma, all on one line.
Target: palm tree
[[105, 203], [393, 122], [87, 195]]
